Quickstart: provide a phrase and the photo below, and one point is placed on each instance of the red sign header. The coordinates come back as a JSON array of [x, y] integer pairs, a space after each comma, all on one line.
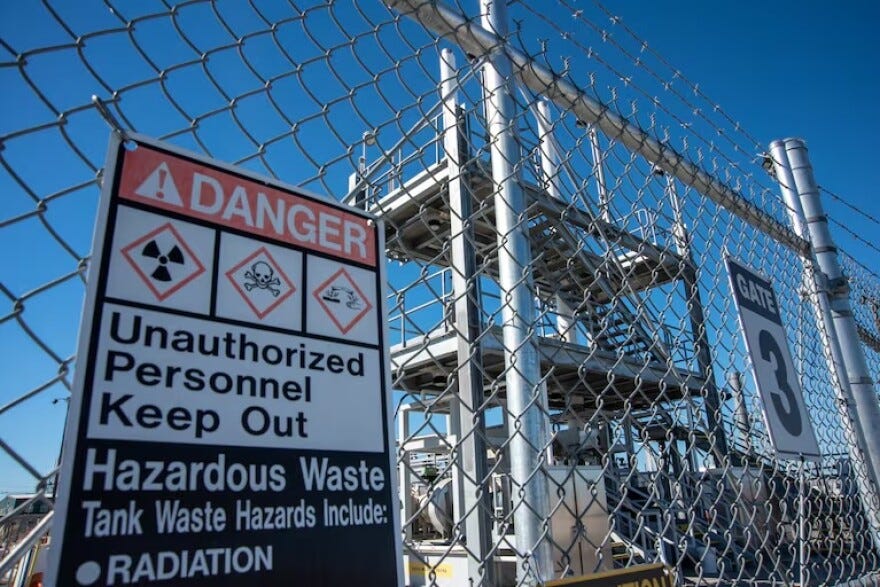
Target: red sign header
[[164, 181]]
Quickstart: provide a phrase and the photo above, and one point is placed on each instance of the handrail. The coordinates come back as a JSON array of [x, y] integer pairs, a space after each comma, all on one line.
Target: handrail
[[26, 543], [476, 40]]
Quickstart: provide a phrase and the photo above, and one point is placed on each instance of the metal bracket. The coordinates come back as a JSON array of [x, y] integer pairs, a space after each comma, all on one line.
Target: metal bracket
[[838, 287]]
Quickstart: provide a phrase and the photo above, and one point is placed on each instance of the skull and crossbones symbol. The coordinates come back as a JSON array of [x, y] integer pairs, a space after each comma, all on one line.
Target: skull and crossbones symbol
[[262, 276]]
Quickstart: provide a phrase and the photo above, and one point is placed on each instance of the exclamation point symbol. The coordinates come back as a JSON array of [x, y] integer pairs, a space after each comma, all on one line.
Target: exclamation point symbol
[[160, 191], [160, 186]]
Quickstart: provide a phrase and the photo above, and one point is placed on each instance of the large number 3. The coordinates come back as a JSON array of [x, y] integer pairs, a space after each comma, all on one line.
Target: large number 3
[[791, 418]]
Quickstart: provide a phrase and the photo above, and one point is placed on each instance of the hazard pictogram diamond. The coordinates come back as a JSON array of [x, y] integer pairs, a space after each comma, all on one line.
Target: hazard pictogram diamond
[[162, 259], [261, 282], [343, 300]]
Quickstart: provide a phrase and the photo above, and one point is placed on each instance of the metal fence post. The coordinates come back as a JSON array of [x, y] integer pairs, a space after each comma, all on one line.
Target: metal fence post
[[468, 410], [697, 317], [599, 172], [857, 402], [531, 500], [565, 311], [740, 414]]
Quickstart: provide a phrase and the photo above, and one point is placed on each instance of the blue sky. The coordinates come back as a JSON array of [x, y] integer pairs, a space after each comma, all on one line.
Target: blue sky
[[781, 69], [787, 69]]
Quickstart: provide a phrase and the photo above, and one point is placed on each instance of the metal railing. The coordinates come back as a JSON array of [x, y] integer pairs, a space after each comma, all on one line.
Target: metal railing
[[565, 348]]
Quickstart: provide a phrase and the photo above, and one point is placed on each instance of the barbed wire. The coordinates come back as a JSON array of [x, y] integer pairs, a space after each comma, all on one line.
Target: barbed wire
[[756, 145], [873, 272], [855, 235], [628, 306], [750, 154], [852, 207]]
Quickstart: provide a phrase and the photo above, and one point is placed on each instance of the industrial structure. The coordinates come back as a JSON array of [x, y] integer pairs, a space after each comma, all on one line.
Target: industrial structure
[[635, 457], [572, 391]]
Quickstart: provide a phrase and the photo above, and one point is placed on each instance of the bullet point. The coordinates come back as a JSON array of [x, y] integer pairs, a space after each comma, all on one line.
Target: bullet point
[[88, 573]]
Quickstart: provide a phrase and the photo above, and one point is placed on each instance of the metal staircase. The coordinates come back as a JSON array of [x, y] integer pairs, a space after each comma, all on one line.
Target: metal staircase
[[597, 276]]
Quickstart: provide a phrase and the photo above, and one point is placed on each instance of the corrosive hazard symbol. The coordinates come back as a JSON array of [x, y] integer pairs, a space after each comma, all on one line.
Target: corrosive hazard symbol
[[261, 282], [162, 259], [160, 186], [343, 300]]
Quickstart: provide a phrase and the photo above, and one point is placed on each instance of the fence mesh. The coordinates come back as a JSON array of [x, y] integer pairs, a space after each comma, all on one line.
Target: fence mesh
[[641, 427], [865, 296]]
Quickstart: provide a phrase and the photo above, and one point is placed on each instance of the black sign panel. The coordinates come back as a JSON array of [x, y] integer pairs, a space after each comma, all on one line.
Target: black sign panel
[[230, 420]]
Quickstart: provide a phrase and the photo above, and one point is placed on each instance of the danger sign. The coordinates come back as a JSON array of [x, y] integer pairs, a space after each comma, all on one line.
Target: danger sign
[[195, 190], [343, 301], [163, 261], [229, 424], [261, 281]]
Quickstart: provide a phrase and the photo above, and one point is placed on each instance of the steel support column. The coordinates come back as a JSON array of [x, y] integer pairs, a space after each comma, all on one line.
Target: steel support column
[[525, 414], [468, 409], [857, 399], [697, 317]]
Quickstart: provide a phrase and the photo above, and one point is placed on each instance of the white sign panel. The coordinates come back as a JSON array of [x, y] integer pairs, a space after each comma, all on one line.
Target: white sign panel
[[787, 418], [230, 420]]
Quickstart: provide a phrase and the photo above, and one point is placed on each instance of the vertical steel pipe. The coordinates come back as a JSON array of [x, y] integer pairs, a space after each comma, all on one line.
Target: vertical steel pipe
[[740, 413], [525, 414], [468, 413], [565, 320], [862, 429]]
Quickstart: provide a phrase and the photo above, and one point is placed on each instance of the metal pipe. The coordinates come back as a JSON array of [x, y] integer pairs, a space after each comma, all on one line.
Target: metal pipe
[[469, 415], [525, 414], [549, 152], [863, 394], [697, 318], [599, 170], [816, 287], [679, 229], [740, 413], [22, 546], [405, 473], [477, 40], [802, 523], [565, 321]]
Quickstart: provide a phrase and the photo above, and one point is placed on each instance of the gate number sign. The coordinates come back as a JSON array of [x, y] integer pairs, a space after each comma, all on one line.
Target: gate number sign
[[787, 418], [229, 423]]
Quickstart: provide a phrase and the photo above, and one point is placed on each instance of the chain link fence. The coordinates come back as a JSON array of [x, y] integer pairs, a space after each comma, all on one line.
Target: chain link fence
[[572, 390], [865, 295]]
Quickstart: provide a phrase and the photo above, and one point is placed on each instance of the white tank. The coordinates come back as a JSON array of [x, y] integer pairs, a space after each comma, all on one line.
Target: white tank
[[436, 507]]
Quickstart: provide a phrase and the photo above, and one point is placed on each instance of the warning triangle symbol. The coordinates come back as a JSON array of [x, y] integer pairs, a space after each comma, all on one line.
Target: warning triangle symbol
[[160, 186]]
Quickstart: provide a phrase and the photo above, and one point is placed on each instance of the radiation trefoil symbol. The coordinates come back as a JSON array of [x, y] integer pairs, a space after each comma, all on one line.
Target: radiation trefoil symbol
[[343, 300], [162, 259], [258, 278]]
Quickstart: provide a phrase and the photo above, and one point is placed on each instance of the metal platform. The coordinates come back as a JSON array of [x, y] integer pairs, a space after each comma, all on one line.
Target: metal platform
[[578, 375], [576, 254]]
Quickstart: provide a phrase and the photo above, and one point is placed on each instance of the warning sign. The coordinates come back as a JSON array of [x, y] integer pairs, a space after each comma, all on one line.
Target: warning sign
[[163, 260], [251, 273], [262, 283], [229, 422], [159, 186], [342, 300]]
